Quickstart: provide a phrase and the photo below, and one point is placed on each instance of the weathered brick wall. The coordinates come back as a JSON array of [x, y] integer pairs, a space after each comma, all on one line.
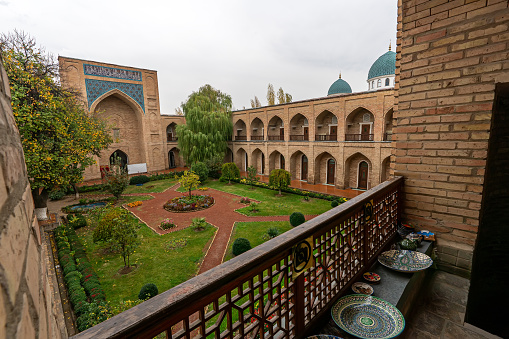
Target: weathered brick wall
[[27, 307], [450, 55]]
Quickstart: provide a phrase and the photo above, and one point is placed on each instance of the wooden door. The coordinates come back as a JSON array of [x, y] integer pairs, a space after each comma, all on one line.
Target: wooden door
[[172, 159], [306, 133], [365, 132], [282, 161], [363, 175], [331, 171], [281, 134], [263, 164], [170, 136], [304, 168]]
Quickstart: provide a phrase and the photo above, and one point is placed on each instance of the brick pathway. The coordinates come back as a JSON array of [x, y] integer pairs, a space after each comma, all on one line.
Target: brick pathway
[[222, 215]]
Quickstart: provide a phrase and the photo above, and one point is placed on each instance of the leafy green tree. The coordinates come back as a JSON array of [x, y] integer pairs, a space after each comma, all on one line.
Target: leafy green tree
[[255, 103], [201, 170], [279, 178], [189, 180], [116, 226], [230, 171], [208, 125], [59, 139], [251, 175], [271, 96], [214, 165], [283, 97], [116, 178], [288, 97]]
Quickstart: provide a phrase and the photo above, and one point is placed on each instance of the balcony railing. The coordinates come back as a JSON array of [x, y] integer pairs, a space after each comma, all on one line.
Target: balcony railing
[[258, 292], [276, 137], [170, 139], [326, 137], [240, 137], [387, 136], [299, 137], [257, 137], [359, 137]]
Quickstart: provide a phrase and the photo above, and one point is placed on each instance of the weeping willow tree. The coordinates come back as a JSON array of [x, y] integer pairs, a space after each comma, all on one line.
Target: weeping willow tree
[[208, 125]]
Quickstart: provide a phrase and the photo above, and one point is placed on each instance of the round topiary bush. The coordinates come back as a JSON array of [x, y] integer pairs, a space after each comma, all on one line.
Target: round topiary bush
[[240, 245], [334, 203], [296, 219], [139, 179], [148, 291]]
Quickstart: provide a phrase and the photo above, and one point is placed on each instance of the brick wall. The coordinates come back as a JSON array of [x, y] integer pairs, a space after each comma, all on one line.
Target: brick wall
[[27, 306], [450, 55]]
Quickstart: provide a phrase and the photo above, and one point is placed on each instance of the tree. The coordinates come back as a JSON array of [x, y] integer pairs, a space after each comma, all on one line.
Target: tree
[[251, 175], [271, 96], [230, 171], [279, 178], [208, 125], [189, 180], [116, 178], [201, 170], [255, 103], [288, 97], [116, 226], [283, 97], [59, 139]]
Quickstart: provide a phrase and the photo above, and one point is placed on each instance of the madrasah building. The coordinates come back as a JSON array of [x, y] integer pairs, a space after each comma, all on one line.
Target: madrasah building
[[342, 139]]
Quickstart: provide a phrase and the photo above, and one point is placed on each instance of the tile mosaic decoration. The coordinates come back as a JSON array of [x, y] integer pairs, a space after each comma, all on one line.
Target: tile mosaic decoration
[[110, 72], [405, 260], [96, 88]]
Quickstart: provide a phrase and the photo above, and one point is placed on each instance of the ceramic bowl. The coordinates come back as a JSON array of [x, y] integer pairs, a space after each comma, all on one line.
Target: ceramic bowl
[[371, 277], [362, 288]]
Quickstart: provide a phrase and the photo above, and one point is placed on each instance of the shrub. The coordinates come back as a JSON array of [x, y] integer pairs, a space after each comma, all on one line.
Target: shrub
[[198, 224], [148, 291], [230, 171], [297, 218], [334, 203], [139, 179], [201, 170], [273, 232], [166, 224], [116, 179], [245, 200], [279, 179], [240, 245], [254, 207], [77, 220], [56, 194], [214, 166]]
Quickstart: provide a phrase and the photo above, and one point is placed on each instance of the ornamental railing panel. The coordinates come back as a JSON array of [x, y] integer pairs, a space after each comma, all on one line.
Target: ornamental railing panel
[[326, 137], [280, 288], [359, 137]]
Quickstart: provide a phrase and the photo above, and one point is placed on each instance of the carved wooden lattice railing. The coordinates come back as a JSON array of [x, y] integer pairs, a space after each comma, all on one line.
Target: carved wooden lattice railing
[[257, 293]]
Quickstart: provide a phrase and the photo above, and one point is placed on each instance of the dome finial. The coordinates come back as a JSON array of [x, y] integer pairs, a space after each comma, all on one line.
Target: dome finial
[[340, 74], [389, 45]]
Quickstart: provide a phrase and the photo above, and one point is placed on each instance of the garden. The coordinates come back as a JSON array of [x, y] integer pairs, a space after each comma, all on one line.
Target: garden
[[126, 254]]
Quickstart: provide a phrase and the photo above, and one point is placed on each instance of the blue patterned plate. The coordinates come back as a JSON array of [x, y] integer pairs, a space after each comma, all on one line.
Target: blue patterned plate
[[405, 261], [368, 317]]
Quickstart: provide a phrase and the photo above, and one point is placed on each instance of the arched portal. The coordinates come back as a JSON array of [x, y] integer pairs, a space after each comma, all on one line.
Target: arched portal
[[171, 132], [276, 130], [240, 130], [388, 125], [228, 156], [360, 125], [326, 127], [325, 169], [174, 158], [276, 160], [331, 171], [352, 172], [299, 127], [386, 169], [124, 160], [304, 168], [257, 129], [241, 159], [258, 161]]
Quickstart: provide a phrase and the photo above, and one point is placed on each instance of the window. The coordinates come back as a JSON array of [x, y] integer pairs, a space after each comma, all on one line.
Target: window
[[334, 120], [379, 83], [373, 84], [116, 135], [306, 122], [387, 82], [366, 117]]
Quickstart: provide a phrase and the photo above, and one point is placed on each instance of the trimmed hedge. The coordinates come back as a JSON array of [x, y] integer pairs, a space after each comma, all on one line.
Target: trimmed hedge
[[293, 190], [139, 179], [297, 218], [85, 291], [240, 245], [201, 170], [77, 220], [334, 203], [148, 291]]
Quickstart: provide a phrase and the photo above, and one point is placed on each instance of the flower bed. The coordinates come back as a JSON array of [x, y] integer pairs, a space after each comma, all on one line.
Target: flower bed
[[189, 203]]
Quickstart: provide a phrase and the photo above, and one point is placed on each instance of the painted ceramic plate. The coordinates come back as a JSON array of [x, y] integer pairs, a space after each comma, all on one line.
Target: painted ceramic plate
[[323, 336], [362, 288], [371, 277], [405, 261], [368, 317]]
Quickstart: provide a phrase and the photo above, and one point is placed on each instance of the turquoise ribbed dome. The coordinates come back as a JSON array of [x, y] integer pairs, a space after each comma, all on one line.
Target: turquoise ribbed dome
[[384, 65], [339, 86]]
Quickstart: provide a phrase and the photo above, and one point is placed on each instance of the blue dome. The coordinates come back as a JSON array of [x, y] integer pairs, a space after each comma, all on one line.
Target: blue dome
[[339, 86], [384, 65]]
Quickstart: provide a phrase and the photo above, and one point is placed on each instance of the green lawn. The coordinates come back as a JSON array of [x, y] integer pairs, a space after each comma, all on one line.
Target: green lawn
[[151, 186], [254, 232], [156, 262], [272, 204]]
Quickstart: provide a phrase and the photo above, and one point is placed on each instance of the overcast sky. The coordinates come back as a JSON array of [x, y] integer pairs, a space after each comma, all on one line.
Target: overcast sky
[[236, 46]]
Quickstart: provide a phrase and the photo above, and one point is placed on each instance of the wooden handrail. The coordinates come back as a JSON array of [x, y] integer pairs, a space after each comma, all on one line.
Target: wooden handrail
[[335, 233]]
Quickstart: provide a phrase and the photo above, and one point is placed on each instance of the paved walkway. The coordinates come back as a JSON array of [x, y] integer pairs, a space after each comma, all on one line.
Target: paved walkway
[[222, 215]]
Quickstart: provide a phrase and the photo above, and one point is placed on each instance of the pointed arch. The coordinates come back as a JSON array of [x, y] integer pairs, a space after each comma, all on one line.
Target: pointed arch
[[385, 171], [240, 130], [299, 127], [360, 125], [326, 126], [258, 161], [297, 170], [388, 119], [276, 129], [257, 129], [325, 169], [119, 94], [241, 159], [124, 159], [352, 173]]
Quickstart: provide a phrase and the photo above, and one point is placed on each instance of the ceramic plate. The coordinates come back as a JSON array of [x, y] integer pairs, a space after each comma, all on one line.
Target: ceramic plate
[[362, 288], [371, 277], [368, 317], [405, 261], [323, 336]]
